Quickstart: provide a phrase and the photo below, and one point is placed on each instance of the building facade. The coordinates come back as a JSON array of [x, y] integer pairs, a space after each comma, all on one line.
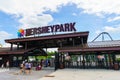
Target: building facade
[[74, 50]]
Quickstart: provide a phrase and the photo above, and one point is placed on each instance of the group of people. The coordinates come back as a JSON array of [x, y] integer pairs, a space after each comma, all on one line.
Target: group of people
[[5, 65], [43, 63], [25, 67]]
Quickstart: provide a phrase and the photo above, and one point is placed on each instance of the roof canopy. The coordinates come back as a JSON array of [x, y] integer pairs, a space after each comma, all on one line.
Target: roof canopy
[[51, 41], [31, 52]]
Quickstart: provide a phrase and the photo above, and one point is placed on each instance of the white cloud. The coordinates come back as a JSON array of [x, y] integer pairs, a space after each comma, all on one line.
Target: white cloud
[[4, 35], [109, 29], [35, 21], [31, 12], [112, 29], [27, 7], [98, 32], [30, 7], [99, 6], [114, 19], [74, 14]]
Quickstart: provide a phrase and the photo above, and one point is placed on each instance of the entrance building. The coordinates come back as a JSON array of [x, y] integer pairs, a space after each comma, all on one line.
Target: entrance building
[[73, 51]]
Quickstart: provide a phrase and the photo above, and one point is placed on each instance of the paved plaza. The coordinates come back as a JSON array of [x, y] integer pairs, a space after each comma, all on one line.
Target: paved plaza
[[13, 74], [62, 74], [83, 74]]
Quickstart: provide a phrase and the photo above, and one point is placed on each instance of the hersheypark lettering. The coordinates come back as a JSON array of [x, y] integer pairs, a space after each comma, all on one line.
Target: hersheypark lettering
[[50, 29]]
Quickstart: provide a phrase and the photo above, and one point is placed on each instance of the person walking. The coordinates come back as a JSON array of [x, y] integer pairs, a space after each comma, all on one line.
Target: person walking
[[26, 68], [22, 68], [7, 64], [29, 67]]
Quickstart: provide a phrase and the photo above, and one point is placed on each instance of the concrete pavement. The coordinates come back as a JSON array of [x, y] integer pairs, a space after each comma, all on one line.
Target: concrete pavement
[[13, 74], [83, 74], [62, 74]]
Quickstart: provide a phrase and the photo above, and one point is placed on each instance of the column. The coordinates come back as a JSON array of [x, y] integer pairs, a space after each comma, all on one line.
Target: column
[[83, 62], [11, 48], [26, 45], [106, 61], [17, 46], [73, 41], [110, 61], [56, 61]]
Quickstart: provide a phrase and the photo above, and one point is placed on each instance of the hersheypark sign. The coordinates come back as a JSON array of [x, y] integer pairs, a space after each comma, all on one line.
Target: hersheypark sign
[[67, 27]]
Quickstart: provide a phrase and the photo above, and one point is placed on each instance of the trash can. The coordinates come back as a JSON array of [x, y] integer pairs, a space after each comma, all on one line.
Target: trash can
[[116, 66]]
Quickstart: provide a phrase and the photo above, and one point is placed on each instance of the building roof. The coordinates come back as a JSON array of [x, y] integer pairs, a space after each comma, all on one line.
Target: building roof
[[94, 47], [56, 36], [31, 51], [112, 43], [15, 51], [67, 39], [51, 41]]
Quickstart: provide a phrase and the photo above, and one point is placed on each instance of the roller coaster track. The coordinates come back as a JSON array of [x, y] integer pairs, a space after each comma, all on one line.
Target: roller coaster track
[[103, 36]]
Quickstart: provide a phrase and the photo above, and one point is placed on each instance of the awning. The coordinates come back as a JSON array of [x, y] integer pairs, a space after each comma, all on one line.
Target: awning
[[32, 51]]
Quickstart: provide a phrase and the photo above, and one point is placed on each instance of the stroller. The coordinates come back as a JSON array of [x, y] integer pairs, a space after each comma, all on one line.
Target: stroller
[[38, 67]]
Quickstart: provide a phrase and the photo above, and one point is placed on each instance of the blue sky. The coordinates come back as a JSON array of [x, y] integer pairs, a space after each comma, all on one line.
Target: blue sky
[[95, 16]]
